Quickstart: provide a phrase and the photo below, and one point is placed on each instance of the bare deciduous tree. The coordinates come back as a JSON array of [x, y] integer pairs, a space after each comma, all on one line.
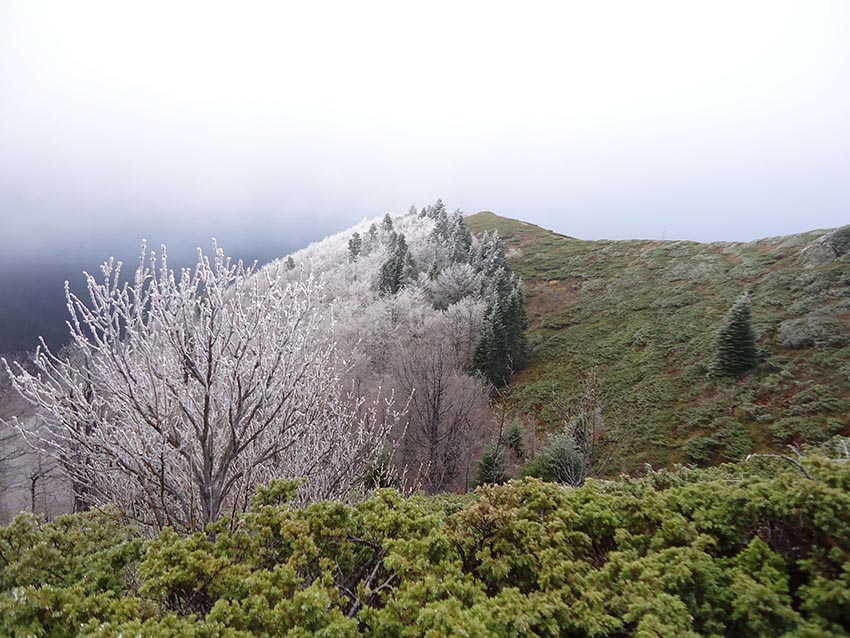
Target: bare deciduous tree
[[180, 392], [448, 408]]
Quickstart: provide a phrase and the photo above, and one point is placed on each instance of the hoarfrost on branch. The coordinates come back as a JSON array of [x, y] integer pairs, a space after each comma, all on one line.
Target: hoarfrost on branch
[[181, 392]]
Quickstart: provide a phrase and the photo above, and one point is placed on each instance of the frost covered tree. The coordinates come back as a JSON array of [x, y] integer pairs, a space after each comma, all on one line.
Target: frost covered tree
[[446, 405], [736, 351], [355, 245], [399, 267], [452, 284], [181, 392]]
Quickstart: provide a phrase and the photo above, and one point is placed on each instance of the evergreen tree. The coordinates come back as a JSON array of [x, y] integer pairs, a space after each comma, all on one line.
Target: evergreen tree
[[460, 239], [514, 440], [488, 256], [355, 244], [441, 226], [398, 269], [436, 209], [736, 351], [290, 263], [387, 224], [492, 466], [501, 345]]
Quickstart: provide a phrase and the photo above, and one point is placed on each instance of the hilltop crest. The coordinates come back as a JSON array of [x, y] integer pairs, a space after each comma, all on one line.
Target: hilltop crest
[[644, 315]]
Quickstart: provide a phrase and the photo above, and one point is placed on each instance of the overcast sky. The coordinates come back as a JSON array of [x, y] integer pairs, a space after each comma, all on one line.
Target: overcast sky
[[272, 124]]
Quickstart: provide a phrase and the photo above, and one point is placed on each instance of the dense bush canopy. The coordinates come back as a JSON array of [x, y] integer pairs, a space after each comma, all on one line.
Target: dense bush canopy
[[756, 549]]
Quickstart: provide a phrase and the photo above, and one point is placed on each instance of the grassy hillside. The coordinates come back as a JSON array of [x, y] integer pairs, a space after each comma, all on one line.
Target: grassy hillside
[[644, 315]]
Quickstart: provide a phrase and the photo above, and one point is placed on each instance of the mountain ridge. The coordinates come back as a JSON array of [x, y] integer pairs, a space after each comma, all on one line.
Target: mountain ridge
[[643, 315]]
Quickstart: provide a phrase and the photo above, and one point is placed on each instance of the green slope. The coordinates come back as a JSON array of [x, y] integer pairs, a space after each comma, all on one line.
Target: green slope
[[644, 315]]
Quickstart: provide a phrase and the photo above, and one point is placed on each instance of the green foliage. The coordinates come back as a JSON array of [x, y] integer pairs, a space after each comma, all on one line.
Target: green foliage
[[398, 269], [811, 331], [739, 550], [800, 430], [501, 347], [559, 462], [701, 450], [492, 466], [731, 441], [515, 440], [736, 343]]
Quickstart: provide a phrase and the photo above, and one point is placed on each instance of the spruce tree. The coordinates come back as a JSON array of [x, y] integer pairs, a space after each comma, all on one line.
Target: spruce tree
[[501, 345], [387, 223], [736, 351], [355, 245], [399, 267], [460, 239], [492, 466]]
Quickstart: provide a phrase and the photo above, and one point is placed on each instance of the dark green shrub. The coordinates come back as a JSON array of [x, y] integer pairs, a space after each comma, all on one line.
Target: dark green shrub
[[492, 466], [735, 441], [515, 440], [701, 450]]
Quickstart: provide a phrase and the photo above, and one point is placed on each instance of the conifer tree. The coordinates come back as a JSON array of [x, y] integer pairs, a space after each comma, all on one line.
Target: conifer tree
[[514, 440], [501, 345], [387, 223], [736, 351], [441, 225], [355, 244], [460, 239], [398, 268], [436, 209], [492, 466]]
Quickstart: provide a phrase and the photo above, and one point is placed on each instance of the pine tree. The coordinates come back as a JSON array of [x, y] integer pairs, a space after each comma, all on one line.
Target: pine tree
[[501, 346], [290, 263], [736, 351], [492, 466], [355, 244], [398, 269], [460, 239], [436, 209], [387, 223]]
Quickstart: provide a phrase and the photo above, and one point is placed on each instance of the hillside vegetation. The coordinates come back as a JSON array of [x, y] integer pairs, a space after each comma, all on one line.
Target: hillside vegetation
[[643, 317], [757, 549]]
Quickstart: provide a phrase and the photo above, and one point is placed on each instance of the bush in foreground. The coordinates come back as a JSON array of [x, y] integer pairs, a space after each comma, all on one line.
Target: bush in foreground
[[755, 549]]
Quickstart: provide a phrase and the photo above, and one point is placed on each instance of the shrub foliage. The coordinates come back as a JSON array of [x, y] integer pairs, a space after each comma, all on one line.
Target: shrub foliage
[[755, 549]]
